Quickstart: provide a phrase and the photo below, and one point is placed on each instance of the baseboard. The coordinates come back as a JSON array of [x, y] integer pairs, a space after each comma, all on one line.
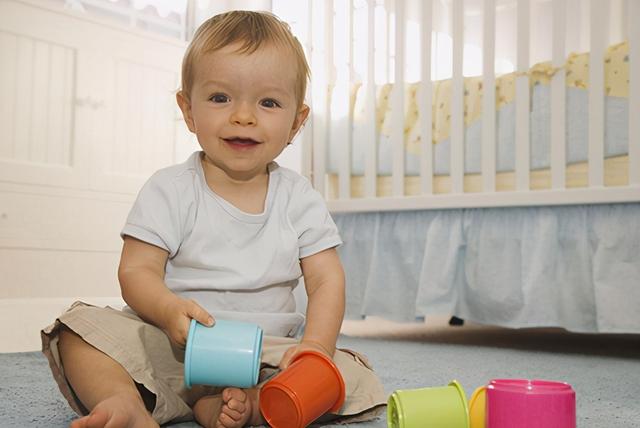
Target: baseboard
[[22, 319]]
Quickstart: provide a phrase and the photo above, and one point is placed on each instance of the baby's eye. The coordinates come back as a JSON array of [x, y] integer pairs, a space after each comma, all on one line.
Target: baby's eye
[[270, 103], [219, 98]]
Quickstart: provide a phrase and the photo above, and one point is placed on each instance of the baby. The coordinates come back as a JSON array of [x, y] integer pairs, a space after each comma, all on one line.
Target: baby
[[226, 234]]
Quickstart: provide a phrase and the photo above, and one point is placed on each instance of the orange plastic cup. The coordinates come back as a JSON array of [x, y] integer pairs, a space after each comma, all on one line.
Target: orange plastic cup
[[310, 387]]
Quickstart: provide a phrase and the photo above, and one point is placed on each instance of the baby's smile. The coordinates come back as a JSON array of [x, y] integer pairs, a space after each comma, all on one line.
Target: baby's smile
[[241, 143]]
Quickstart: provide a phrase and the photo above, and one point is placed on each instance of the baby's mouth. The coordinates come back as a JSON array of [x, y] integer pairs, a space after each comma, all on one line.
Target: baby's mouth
[[238, 141]]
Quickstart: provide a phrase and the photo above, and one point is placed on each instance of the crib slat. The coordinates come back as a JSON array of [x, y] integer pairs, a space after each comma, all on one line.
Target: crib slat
[[397, 130], [385, 49], [522, 99], [457, 101], [322, 59], [424, 101], [371, 136], [558, 93], [489, 97], [344, 22], [307, 128], [634, 93], [596, 92]]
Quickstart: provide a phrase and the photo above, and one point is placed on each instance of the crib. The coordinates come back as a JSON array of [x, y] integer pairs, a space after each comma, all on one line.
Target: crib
[[509, 196]]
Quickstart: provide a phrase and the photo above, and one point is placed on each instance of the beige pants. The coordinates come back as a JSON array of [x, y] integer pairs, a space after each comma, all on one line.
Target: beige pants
[[155, 363]]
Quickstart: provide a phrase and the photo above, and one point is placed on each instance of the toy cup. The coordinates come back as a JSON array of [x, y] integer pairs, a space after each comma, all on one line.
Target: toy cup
[[310, 387], [523, 403], [227, 354], [428, 407]]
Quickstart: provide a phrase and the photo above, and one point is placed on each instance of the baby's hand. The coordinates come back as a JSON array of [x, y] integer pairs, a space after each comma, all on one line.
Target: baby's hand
[[305, 345], [178, 313]]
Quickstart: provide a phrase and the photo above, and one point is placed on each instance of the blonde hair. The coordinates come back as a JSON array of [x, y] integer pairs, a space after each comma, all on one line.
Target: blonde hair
[[253, 30]]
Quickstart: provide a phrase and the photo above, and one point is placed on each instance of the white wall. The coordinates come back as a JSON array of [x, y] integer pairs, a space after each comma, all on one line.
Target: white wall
[[208, 8]]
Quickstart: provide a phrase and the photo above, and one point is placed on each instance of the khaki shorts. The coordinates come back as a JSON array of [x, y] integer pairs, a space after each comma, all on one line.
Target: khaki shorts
[[154, 362]]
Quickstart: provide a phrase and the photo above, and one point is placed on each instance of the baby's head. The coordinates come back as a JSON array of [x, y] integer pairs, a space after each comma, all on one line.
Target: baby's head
[[250, 31]]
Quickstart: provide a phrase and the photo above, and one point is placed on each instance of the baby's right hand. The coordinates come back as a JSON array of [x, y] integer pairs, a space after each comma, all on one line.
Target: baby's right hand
[[178, 313]]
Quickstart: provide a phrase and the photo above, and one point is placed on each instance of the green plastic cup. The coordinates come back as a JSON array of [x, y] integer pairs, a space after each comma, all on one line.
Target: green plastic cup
[[437, 407]]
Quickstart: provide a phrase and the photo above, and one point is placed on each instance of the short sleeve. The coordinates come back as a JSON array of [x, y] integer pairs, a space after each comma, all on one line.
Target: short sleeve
[[312, 222], [154, 217]]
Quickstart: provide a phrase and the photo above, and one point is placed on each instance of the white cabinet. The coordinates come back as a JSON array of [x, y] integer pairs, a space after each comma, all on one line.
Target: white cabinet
[[83, 104]]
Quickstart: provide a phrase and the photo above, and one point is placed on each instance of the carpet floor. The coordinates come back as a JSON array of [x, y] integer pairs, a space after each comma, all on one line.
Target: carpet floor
[[604, 370]]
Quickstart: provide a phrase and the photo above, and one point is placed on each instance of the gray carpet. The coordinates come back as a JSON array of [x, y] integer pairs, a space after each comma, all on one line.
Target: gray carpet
[[603, 369]]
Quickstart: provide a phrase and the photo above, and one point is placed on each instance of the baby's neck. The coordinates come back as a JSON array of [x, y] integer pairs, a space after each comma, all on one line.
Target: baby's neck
[[247, 195]]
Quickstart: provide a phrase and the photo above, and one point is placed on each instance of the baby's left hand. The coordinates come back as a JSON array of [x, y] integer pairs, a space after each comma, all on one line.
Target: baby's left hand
[[300, 347]]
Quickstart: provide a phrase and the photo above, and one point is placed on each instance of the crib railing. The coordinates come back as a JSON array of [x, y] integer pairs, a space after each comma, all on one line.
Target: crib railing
[[334, 68]]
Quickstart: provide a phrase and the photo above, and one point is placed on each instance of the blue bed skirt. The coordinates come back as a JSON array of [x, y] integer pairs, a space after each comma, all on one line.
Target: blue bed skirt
[[576, 267]]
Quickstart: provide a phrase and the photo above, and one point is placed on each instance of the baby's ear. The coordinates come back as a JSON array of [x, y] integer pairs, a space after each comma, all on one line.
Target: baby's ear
[[185, 107], [301, 117]]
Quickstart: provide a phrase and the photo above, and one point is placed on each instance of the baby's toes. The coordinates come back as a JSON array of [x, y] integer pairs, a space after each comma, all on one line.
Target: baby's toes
[[236, 405], [233, 414], [235, 400], [234, 411], [234, 394], [226, 421]]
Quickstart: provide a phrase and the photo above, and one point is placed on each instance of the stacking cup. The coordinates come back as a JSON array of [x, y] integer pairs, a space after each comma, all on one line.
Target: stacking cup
[[310, 387], [523, 403], [428, 407], [227, 354]]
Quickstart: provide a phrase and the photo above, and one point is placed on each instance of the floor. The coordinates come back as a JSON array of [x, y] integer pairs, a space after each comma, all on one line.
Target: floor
[[604, 370]]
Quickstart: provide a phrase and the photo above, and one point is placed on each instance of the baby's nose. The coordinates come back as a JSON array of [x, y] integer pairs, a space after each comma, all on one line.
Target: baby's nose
[[243, 115]]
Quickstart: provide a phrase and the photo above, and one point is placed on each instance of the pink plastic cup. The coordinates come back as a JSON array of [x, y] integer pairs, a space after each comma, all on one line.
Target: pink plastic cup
[[523, 403]]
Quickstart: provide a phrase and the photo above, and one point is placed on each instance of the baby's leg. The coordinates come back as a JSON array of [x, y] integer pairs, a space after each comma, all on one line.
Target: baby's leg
[[234, 408], [102, 385]]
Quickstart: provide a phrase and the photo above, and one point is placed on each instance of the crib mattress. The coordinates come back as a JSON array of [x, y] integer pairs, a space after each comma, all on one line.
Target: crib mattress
[[616, 173]]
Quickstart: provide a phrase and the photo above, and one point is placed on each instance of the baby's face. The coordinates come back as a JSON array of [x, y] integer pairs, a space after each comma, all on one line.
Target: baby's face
[[243, 108]]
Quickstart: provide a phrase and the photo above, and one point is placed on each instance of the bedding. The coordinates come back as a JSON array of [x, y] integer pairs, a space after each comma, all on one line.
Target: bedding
[[576, 68]]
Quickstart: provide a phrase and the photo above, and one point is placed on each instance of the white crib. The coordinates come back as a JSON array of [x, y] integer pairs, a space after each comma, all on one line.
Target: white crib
[[334, 68], [440, 223]]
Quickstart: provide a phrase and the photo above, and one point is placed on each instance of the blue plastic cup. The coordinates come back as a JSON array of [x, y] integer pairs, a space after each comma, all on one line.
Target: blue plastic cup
[[227, 354]]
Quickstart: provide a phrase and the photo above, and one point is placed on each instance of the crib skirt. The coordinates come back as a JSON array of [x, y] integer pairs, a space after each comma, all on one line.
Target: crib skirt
[[575, 267]]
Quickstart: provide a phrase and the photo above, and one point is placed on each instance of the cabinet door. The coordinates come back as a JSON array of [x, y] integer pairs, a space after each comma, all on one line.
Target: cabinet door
[[138, 123], [84, 104], [40, 137]]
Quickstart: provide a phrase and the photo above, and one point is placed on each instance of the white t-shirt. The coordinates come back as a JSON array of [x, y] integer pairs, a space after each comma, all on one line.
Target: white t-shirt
[[236, 265]]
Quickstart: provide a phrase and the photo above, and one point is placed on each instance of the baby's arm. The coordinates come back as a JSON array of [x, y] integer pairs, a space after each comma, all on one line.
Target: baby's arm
[[141, 274], [324, 282]]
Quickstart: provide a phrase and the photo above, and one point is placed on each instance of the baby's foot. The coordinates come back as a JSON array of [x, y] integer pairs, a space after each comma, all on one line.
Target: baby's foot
[[240, 408], [119, 411], [234, 408]]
